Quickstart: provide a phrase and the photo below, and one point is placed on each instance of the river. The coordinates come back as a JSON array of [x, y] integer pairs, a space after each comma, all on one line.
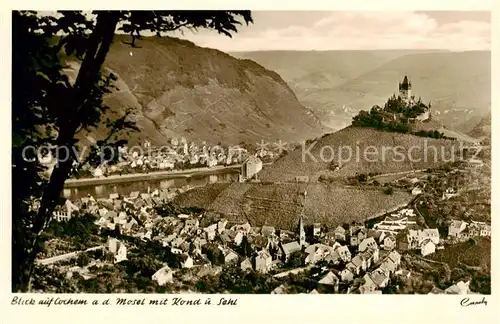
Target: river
[[125, 188]]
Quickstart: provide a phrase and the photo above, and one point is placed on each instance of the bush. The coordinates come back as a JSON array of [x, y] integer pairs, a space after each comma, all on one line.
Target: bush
[[296, 260], [82, 260], [389, 191]]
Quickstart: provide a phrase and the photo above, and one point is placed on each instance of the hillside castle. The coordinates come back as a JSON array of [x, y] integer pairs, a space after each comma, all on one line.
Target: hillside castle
[[405, 94]]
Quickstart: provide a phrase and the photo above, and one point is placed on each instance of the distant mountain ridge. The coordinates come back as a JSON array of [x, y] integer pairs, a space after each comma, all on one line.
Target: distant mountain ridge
[[335, 85], [179, 89]]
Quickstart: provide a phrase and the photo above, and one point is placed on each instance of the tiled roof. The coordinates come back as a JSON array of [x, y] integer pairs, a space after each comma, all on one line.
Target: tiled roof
[[329, 279], [357, 261], [378, 277], [291, 247]]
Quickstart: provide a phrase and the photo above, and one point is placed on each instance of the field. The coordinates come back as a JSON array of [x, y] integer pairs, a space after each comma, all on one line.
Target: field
[[394, 153], [475, 253], [280, 204]]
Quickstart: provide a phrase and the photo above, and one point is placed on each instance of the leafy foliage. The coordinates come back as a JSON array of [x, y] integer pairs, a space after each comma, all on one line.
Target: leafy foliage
[[396, 116], [50, 110]]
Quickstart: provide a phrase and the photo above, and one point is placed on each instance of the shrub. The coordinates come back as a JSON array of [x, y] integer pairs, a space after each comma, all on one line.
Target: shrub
[[82, 260]]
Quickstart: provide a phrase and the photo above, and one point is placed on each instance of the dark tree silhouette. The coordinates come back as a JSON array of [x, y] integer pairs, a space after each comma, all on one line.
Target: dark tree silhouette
[[50, 110]]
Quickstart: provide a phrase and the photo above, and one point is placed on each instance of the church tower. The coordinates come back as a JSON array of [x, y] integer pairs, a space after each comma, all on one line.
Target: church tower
[[405, 89], [302, 232]]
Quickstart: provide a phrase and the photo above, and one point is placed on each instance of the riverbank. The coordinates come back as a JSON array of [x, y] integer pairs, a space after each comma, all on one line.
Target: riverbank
[[157, 175]]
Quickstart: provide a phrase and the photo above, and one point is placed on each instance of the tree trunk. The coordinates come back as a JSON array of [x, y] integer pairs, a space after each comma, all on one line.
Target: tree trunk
[[88, 76]]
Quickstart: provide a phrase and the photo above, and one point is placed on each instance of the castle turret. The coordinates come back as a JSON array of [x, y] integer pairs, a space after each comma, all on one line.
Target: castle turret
[[405, 89]]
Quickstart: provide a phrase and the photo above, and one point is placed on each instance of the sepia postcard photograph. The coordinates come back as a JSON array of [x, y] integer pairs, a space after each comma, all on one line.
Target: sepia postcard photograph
[[249, 152]]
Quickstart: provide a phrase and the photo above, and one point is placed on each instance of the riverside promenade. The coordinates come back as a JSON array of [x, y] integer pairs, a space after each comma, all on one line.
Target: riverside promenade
[[156, 175]]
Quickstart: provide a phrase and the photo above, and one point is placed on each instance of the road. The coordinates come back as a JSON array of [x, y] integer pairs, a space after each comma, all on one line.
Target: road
[[66, 256], [71, 183]]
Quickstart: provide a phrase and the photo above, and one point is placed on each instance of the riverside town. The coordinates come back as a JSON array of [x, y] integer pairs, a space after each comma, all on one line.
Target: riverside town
[[146, 160]]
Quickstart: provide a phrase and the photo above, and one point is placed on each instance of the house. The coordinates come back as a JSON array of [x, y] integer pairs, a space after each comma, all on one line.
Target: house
[[67, 212], [430, 233], [224, 239], [287, 249], [362, 234], [118, 249], [250, 167], [230, 256], [186, 261], [485, 230], [221, 225], [267, 231], [480, 229], [263, 261], [280, 290], [340, 233], [456, 227], [380, 277], [316, 229], [176, 243], [413, 239], [314, 292], [369, 284], [344, 253], [416, 191], [98, 172], [367, 243], [163, 276], [175, 250], [389, 242], [330, 279], [333, 258], [370, 256], [353, 240], [134, 194], [460, 288], [427, 247], [238, 238], [403, 273], [377, 235], [388, 265], [402, 241], [316, 253], [246, 264], [245, 228], [211, 231], [357, 264], [192, 223], [346, 275], [113, 196], [395, 257]]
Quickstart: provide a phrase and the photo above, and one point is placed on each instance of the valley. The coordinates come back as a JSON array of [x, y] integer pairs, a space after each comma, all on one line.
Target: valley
[[335, 85]]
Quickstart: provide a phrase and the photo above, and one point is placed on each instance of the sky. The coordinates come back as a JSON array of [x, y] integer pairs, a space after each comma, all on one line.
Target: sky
[[354, 30]]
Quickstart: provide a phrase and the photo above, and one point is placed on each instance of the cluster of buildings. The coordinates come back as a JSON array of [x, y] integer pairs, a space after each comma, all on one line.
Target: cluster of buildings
[[176, 156], [401, 230], [362, 259], [113, 210], [181, 155], [462, 231]]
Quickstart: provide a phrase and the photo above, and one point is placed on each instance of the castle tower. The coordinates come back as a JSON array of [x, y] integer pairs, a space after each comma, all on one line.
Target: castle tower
[[405, 89]]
